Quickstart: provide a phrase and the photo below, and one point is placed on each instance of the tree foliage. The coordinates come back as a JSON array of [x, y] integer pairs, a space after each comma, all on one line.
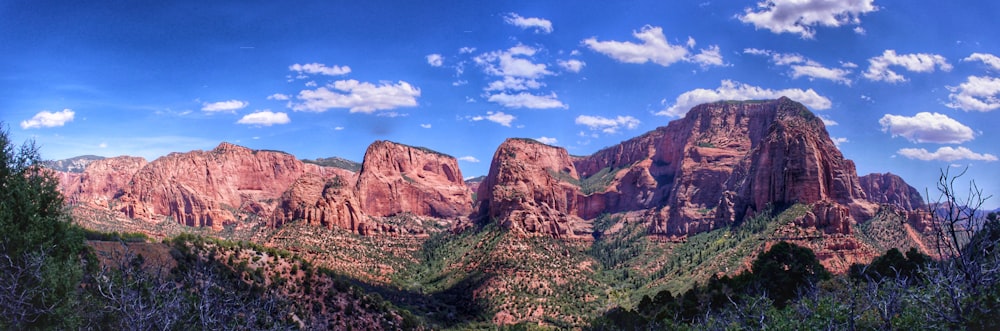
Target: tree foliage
[[41, 253]]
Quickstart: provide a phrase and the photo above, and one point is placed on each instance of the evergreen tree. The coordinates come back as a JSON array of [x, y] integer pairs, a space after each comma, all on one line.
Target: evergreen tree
[[40, 251]]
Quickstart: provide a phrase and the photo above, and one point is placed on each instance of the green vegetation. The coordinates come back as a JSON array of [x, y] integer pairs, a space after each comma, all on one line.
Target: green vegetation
[[706, 144], [564, 176], [41, 254], [115, 236], [599, 181]]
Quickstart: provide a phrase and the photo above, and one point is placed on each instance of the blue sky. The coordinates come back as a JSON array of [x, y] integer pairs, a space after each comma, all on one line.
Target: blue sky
[[906, 88]]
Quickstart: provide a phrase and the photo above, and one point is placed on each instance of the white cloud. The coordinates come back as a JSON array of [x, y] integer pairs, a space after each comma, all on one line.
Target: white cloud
[[572, 65], [311, 83], [804, 67], [977, 93], [469, 159], [278, 96], [827, 121], [540, 25], [435, 60], [859, 30], [514, 84], [708, 56], [878, 67], [496, 117], [733, 90], [47, 119], [839, 140], [230, 106], [359, 97], [926, 128], [102, 145], [989, 59], [425, 126], [946, 154], [547, 140], [607, 125], [319, 68], [654, 48], [527, 100], [466, 50], [338, 128], [801, 16], [265, 118], [817, 71], [513, 62]]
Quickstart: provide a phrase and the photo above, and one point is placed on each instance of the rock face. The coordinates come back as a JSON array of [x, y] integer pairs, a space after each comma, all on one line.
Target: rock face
[[328, 202], [795, 162], [100, 182], [532, 188], [217, 187], [890, 189], [396, 178], [722, 162], [207, 188]]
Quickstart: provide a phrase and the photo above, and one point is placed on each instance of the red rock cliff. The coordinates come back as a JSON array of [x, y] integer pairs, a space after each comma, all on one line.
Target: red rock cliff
[[532, 188], [795, 162], [397, 178], [890, 189], [328, 202], [204, 188], [101, 181]]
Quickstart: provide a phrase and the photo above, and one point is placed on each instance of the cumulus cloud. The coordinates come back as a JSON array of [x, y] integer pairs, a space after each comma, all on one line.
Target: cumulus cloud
[[654, 48], [802, 16], [425, 126], [540, 25], [229, 105], [710, 56], [47, 119], [547, 140], [878, 67], [514, 84], [571, 65], [435, 60], [946, 154], [977, 93], [733, 90], [989, 59], [802, 66], [496, 117], [278, 96], [527, 100], [607, 125], [359, 97], [469, 159], [513, 62], [265, 118], [319, 68], [926, 128]]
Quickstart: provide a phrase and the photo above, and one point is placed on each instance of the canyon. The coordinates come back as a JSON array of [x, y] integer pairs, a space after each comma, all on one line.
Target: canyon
[[714, 172]]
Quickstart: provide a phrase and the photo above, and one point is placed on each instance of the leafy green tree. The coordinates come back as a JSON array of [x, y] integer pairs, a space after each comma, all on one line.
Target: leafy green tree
[[785, 270], [40, 251]]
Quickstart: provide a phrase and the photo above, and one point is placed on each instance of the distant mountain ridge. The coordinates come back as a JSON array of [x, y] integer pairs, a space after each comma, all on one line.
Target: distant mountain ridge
[[74, 164]]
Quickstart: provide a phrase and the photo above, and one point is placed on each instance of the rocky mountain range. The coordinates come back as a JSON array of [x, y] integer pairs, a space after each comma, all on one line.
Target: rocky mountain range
[[719, 165]]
